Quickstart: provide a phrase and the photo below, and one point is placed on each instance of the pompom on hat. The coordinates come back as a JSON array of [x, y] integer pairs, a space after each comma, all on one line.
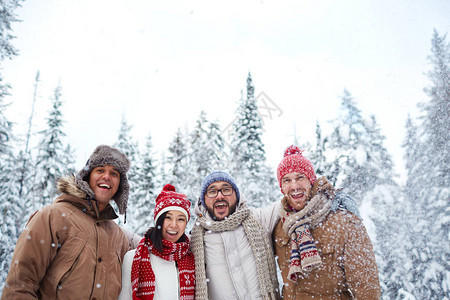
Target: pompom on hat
[[214, 177], [106, 155], [169, 199], [294, 161]]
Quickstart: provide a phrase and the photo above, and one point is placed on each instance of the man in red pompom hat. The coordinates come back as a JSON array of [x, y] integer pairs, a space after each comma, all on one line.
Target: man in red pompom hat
[[321, 244]]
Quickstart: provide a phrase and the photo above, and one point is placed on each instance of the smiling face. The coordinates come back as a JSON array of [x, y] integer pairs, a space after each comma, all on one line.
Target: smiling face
[[104, 182], [174, 225], [297, 188], [220, 206]]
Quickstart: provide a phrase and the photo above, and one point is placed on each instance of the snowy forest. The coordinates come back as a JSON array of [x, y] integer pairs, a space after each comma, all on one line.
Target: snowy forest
[[408, 223]]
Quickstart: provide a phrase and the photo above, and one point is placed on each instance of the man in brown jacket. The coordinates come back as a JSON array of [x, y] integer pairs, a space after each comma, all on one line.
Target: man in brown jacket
[[72, 248], [322, 249]]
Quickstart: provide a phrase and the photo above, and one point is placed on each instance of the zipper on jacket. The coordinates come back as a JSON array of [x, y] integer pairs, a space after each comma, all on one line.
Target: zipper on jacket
[[96, 225]]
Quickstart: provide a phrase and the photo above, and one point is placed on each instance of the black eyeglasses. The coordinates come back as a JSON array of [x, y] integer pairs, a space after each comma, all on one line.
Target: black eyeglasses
[[226, 191]]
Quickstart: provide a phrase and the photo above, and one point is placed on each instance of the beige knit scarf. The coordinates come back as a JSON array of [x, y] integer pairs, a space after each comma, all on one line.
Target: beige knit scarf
[[259, 243], [304, 255]]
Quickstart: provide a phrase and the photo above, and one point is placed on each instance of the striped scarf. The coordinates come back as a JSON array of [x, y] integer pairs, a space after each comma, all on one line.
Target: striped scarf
[[143, 277], [259, 243], [304, 254]]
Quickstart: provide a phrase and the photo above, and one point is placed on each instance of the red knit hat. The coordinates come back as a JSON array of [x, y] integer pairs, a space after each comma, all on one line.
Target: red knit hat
[[294, 161], [168, 199]]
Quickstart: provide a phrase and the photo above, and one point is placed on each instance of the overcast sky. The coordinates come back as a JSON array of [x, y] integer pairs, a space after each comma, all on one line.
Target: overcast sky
[[159, 63]]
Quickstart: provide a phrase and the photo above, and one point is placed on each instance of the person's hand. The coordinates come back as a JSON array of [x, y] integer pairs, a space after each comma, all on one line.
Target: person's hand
[[321, 185]]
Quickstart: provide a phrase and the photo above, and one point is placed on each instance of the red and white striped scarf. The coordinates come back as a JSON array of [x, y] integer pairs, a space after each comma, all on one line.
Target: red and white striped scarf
[[304, 254], [143, 277]]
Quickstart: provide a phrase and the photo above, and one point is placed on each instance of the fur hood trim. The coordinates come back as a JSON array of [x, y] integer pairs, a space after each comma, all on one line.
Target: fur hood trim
[[69, 186]]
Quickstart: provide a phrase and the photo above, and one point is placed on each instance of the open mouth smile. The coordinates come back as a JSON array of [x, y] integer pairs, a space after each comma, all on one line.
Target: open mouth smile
[[221, 206], [172, 232], [297, 195], [104, 186]]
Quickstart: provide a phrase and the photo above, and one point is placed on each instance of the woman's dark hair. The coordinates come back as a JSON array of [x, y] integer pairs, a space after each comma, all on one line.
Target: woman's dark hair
[[154, 234]]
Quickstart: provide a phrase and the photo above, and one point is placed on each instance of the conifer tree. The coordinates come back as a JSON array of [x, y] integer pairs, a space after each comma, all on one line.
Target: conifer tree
[[146, 192], [176, 164], [52, 158], [129, 147], [7, 17], [199, 157], [411, 156], [247, 154], [360, 161], [428, 183], [10, 204], [218, 146], [205, 146], [318, 156], [5, 124], [436, 119]]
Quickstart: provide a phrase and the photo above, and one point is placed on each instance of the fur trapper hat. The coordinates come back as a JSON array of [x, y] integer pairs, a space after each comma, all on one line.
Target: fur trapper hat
[[106, 155]]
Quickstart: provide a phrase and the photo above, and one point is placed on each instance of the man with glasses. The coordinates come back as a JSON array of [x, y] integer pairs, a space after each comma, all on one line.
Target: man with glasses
[[321, 244], [232, 244]]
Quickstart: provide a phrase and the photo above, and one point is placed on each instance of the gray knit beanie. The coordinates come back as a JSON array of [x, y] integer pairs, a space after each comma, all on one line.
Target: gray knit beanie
[[106, 155], [214, 177]]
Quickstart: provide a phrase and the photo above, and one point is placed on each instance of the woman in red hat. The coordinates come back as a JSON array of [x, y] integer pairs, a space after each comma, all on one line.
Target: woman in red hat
[[162, 266]]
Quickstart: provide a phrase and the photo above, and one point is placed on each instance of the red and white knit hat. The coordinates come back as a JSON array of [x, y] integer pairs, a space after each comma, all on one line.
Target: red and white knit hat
[[294, 161], [169, 199]]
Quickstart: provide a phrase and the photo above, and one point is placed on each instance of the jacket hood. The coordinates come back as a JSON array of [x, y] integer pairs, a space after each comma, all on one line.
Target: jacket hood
[[67, 185], [71, 193]]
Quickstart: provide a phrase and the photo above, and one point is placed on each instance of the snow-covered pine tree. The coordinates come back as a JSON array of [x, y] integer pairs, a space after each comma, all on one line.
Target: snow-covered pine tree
[[176, 169], [205, 152], [360, 161], [145, 190], [10, 203], [411, 203], [384, 210], [318, 157], [176, 163], [428, 183], [129, 147], [52, 160], [13, 211], [436, 121], [413, 161], [199, 158], [218, 145], [247, 155], [5, 124], [7, 17]]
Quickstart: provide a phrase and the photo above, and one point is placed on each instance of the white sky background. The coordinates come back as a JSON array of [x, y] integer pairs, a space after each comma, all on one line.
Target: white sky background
[[159, 63]]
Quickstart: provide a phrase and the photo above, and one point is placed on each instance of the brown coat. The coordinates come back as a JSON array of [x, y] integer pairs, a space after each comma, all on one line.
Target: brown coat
[[348, 262], [68, 251]]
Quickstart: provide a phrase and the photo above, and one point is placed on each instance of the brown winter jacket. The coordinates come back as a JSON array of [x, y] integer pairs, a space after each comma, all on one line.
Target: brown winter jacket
[[348, 269], [68, 251]]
